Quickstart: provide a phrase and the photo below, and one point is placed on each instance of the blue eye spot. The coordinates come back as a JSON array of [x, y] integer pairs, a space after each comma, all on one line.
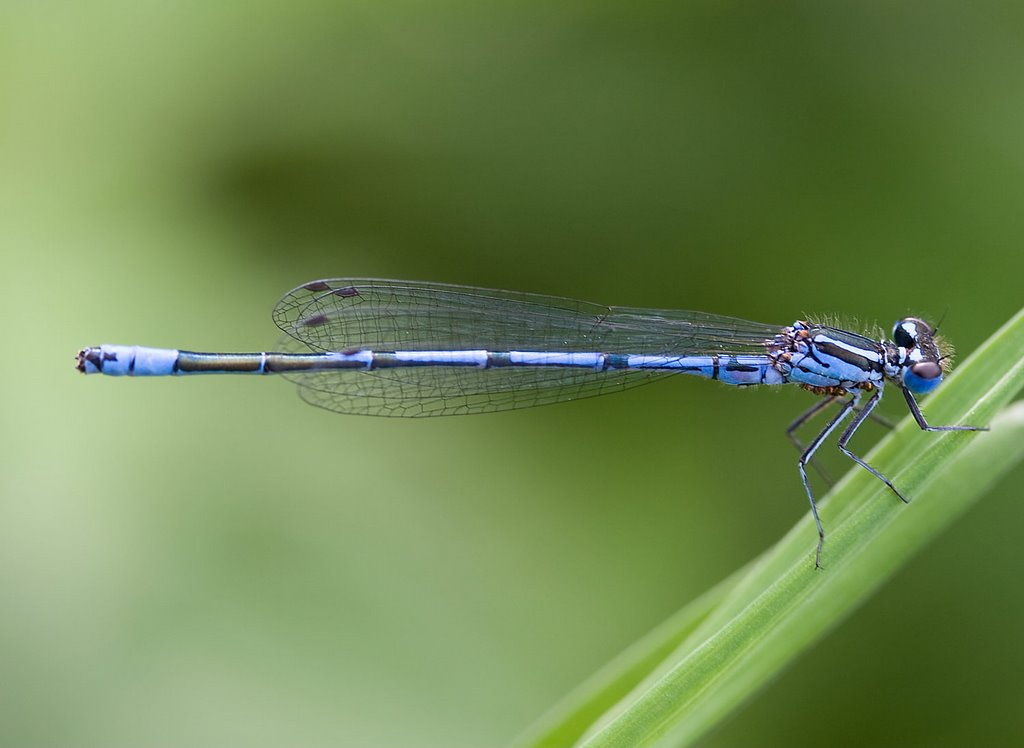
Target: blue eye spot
[[923, 377]]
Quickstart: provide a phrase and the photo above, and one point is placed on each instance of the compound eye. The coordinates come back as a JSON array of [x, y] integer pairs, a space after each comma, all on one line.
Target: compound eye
[[926, 370], [905, 334]]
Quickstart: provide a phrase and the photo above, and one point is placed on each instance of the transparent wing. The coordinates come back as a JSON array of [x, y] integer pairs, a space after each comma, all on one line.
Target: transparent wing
[[381, 315]]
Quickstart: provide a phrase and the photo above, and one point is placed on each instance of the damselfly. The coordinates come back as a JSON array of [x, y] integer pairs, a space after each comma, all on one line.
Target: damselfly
[[400, 348]]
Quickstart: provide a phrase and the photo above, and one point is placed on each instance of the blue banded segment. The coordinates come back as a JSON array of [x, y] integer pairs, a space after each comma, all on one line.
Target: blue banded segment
[[141, 361]]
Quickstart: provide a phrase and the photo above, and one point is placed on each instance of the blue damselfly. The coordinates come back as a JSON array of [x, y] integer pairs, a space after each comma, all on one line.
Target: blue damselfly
[[401, 348]]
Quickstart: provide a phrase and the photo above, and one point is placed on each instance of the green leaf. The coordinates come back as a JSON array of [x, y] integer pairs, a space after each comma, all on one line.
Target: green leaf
[[675, 684], [570, 719]]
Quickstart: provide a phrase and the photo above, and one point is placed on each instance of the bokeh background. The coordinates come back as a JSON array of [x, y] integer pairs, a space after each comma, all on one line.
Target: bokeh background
[[211, 562]]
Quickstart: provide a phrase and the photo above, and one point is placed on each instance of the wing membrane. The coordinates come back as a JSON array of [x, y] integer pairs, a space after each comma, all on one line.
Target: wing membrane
[[358, 314]]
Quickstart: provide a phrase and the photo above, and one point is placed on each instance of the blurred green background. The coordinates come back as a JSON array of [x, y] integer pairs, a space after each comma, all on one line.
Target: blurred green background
[[210, 562]]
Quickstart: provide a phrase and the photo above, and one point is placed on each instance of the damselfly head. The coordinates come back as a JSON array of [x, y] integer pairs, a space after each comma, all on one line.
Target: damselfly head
[[924, 362]]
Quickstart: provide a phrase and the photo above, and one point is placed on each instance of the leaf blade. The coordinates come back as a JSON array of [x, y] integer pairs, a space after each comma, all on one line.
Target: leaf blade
[[778, 606]]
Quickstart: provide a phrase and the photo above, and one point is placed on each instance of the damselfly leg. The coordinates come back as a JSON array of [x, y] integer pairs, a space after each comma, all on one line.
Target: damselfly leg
[[850, 430], [803, 418], [808, 414], [808, 453], [915, 410]]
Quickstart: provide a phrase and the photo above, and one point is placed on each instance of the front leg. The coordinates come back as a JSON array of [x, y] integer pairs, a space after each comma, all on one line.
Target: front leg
[[915, 410]]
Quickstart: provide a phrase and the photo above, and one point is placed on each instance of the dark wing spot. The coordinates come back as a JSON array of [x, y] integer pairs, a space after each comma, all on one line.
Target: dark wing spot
[[317, 286], [346, 292]]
